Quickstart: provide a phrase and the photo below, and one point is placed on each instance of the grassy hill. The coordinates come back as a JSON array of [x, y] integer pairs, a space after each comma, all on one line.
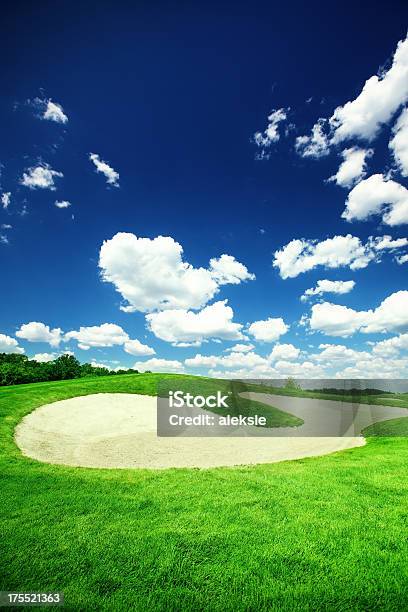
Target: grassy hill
[[328, 533]]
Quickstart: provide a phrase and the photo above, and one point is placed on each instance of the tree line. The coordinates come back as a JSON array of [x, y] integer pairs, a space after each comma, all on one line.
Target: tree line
[[18, 369]]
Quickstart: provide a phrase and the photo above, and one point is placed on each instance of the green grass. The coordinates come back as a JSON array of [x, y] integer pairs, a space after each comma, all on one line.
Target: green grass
[[326, 533], [393, 427]]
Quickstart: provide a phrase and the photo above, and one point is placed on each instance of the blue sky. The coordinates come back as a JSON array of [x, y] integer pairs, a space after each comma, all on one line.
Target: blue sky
[[175, 100]]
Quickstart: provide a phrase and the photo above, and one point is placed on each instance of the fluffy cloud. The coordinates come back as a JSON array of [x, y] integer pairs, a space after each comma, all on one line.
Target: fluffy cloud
[[54, 112], [112, 177], [159, 365], [271, 134], [3, 237], [252, 365], [305, 369], [62, 203], [269, 330], [135, 347], [40, 177], [151, 274], [300, 256], [375, 367], [286, 352], [332, 360], [362, 118], [399, 142], [316, 145], [335, 320], [9, 345], [402, 259], [328, 286], [303, 255], [379, 99], [233, 361], [5, 199], [200, 361], [38, 332], [240, 348], [391, 346], [390, 316], [353, 168], [338, 354], [377, 196], [44, 357], [388, 243], [184, 326], [105, 335], [227, 270], [343, 362], [96, 364]]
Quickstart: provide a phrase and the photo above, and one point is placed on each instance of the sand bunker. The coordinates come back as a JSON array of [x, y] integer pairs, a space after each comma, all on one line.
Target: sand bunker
[[118, 430]]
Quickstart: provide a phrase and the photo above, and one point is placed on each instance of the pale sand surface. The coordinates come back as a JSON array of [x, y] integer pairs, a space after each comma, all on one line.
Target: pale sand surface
[[118, 430]]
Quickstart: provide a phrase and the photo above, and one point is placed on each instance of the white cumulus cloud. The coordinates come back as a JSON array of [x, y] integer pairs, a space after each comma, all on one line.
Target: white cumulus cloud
[[402, 259], [36, 331], [54, 112], [5, 199], [156, 364], [317, 144], [112, 177], [353, 168], [62, 203], [107, 335], [40, 177], [9, 345], [338, 354], [269, 330], [328, 286], [388, 243], [227, 270], [184, 326], [391, 346], [378, 101], [301, 255], [271, 134], [136, 348], [399, 142], [377, 195], [150, 274], [233, 361], [336, 320], [285, 352], [240, 348], [44, 357]]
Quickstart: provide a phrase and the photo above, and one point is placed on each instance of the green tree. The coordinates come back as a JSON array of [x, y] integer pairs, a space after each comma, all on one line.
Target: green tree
[[65, 366], [291, 384]]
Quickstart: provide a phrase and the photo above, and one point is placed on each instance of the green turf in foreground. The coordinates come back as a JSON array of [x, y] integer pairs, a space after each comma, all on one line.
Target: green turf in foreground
[[328, 533], [393, 427]]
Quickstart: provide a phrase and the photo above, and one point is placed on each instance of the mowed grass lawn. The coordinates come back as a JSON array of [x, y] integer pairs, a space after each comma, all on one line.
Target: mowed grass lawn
[[327, 533]]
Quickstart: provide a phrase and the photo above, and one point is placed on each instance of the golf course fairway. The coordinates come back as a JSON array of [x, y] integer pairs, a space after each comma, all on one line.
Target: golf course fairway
[[323, 533]]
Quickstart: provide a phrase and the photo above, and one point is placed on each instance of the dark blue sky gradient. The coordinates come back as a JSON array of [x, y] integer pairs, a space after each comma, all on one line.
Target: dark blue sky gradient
[[170, 95]]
